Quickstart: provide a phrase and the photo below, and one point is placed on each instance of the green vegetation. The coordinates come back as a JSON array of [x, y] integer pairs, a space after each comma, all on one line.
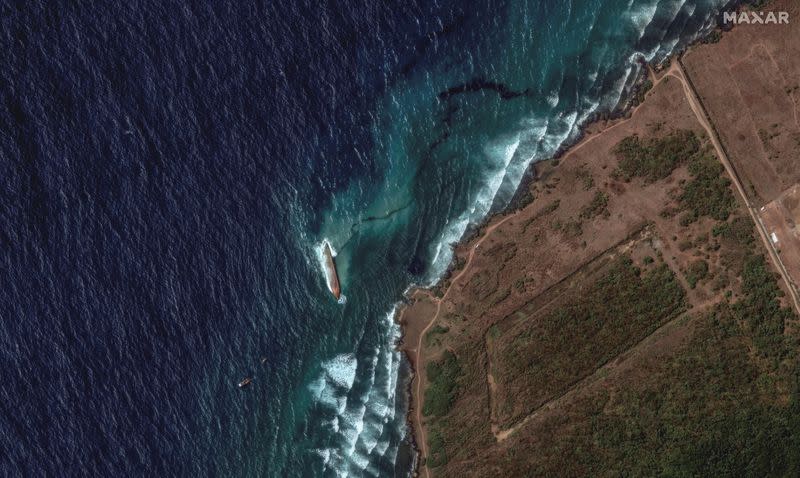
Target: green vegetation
[[572, 229], [714, 393], [586, 178], [709, 410], [441, 393], [726, 403], [714, 37], [655, 158], [519, 284], [687, 218], [642, 90], [761, 310], [739, 230], [708, 193], [735, 241], [437, 452], [759, 3], [443, 385], [703, 413], [622, 307], [698, 270], [551, 207], [501, 296], [494, 331], [598, 205], [432, 337]]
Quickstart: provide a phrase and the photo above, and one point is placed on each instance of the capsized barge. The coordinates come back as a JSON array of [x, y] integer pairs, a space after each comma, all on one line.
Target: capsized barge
[[330, 272]]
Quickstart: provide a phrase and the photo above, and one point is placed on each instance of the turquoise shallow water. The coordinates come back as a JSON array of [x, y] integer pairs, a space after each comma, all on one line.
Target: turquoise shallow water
[[451, 142], [170, 172]]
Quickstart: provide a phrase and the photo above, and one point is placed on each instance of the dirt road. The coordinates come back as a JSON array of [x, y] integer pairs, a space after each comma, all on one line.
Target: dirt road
[[677, 71]]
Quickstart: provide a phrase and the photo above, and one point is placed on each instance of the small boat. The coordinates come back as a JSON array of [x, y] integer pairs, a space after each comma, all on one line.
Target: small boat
[[247, 381], [263, 360], [330, 272]]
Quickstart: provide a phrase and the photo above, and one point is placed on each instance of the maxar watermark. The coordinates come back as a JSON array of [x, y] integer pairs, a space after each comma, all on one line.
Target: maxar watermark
[[755, 18]]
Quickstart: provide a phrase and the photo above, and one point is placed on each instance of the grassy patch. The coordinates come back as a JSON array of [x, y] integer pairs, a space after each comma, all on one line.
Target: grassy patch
[[761, 310], [710, 410], [708, 193], [739, 230], [597, 206], [698, 270], [586, 178], [433, 335], [655, 158], [443, 385], [436, 448], [642, 90], [702, 414], [623, 306], [551, 207], [726, 403]]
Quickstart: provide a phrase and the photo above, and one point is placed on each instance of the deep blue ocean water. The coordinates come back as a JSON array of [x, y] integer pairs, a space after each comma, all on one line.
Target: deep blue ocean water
[[169, 171]]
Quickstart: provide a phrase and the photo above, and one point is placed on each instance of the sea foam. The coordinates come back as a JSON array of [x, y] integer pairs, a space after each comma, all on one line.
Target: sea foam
[[361, 414], [365, 419]]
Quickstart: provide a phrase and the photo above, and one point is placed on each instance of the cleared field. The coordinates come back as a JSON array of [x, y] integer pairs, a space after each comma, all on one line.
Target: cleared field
[[749, 83], [781, 218]]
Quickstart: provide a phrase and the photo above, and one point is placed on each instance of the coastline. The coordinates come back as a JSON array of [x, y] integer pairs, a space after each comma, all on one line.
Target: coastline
[[411, 316], [411, 332]]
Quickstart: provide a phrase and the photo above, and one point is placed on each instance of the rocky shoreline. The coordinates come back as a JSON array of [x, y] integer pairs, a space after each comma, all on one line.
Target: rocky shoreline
[[412, 332]]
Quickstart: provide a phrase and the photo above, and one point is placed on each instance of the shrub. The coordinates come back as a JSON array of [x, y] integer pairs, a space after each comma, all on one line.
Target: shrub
[[443, 385], [609, 316], [709, 192], [437, 452], [431, 338], [760, 307], [698, 270], [713, 37], [655, 158], [598, 205], [739, 230]]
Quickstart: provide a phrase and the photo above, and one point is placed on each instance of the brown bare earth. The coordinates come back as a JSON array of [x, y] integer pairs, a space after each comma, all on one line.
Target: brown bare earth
[[781, 218], [749, 83], [756, 114], [636, 317]]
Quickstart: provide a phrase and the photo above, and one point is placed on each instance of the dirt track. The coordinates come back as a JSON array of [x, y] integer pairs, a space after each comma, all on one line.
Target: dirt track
[[678, 72]]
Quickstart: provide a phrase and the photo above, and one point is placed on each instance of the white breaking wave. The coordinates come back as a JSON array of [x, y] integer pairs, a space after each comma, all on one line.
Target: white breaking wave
[[553, 98], [499, 153], [336, 379], [541, 138], [363, 422], [643, 16], [361, 418]]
